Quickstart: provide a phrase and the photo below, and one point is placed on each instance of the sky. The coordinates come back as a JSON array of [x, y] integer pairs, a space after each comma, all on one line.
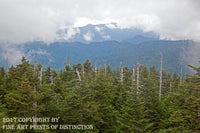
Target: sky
[[24, 21]]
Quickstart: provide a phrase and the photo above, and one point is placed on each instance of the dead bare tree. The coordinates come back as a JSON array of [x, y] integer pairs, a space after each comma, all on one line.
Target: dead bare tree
[[105, 67], [95, 69], [83, 72], [40, 75], [160, 88], [122, 75], [35, 89], [133, 73], [138, 75], [78, 74], [35, 61], [51, 75], [170, 86], [181, 71], [65, 64], [68, 59], [7, 65], [57, 101]]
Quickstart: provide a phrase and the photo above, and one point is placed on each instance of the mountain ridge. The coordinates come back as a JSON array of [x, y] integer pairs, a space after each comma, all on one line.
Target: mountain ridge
[[147, 52], [144, 47]]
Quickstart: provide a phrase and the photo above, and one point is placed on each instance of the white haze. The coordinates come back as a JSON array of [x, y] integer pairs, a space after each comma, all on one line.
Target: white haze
[[39, 20]]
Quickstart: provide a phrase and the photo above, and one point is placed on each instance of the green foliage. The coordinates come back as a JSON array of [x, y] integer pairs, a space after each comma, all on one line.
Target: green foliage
[[101, 99]]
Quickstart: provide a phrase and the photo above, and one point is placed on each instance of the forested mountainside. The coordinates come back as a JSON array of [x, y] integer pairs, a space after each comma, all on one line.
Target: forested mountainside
[[144, 49], [121, 100]]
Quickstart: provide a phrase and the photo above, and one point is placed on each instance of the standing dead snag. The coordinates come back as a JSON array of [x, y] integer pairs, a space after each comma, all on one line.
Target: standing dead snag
[[35, 89], [105, 67], [95, 69], [181, 71], [65, 64], [121, 76], [40, 75], [68, 59], [133, 73], [34, 63], [7, 65], [51, 76], [83, 70], [170, 86], [78, 74], [138, 74], [160, 89]]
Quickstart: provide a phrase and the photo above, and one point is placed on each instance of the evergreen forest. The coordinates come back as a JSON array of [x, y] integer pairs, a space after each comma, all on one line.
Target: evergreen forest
[[112, 101]]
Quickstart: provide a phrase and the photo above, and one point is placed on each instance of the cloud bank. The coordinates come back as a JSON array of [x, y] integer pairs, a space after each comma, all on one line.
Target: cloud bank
[[39, 20], [88, 36], [22, 20]]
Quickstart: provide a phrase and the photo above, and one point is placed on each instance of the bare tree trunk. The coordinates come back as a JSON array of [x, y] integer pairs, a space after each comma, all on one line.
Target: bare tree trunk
[[35, 90], [51, 76], [83, 70], [95, 69], [160, 89], [78, 74], [122, 76], [170, 86], [57, 101], [35, 103], [35, 61], [68, 59], [40, 76], [138, 74], [181, 71], [133, 73], [105, 67], [65, 64], [7, 65]]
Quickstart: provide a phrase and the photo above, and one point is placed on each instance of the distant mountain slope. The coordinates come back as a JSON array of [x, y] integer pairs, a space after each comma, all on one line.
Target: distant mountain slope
[[129, 45], [147, 52]]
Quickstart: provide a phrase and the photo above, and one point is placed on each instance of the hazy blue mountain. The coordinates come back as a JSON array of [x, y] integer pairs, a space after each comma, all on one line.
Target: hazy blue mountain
[[129, 45], [147, 52], [138, 39]]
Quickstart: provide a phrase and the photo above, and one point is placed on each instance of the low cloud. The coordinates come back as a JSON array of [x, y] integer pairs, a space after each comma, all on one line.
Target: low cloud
[[98, 29], [111, 26], [88, 36], [24, 21], [37, 52], [102, 33], [12, 53], [67, 33], [106, 37]]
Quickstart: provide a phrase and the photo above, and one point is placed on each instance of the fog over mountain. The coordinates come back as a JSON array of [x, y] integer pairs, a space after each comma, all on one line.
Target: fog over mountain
[[129, 45], [102, 32], [23, 22]]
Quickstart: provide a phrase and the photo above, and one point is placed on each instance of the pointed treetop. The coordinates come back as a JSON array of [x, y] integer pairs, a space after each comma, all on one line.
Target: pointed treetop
[[68, 58]]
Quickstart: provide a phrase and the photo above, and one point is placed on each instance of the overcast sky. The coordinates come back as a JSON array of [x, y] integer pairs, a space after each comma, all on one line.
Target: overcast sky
[[30, 20]]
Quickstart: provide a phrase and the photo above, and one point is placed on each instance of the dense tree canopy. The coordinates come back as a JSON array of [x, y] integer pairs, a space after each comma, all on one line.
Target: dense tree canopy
[[81, 95]]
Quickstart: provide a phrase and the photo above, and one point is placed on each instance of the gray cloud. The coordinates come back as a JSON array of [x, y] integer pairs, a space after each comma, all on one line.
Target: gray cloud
[[24, 21], [88, 36], [11, 52]]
